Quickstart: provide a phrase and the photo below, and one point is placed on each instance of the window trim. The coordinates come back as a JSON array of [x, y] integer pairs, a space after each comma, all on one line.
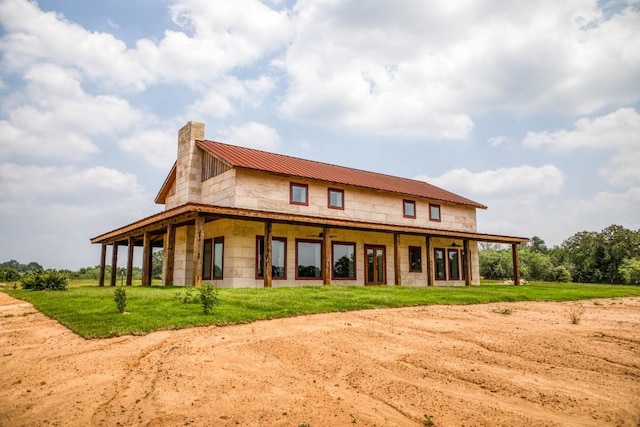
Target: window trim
[[321, 259], [355, 263], [306, 192], [335, 190], [458, 255], [419, 248], [435, 264], [405, 202], [257, 257], [210, 275], [431, 217]]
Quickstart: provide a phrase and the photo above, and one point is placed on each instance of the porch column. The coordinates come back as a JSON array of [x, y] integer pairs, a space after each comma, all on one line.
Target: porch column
[[516, 264], [103, 262], [326, 256], [430, 270], [114, 264], [466, 260], [169, 254], [267, 267], [131, 245], [198, 249], [146, 259], [396, 259]]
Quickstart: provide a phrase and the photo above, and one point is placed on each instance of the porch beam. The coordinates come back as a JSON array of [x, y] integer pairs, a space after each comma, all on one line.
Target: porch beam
[[146, 259], [396, 259], [198, 250], [326, 256], [103, 262], [430, 269], [169, 255], [130, 247], [114, 263], [466, 260], [516, 264], [267, 267]]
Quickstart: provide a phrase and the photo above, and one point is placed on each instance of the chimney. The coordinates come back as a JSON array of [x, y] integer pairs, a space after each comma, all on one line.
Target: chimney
[[189, 164]]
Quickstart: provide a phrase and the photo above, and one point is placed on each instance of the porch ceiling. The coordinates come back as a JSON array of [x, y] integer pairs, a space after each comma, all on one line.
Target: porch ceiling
[[186, 214]]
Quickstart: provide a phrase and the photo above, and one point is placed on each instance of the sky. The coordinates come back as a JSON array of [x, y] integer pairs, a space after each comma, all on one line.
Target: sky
[[530, 108]]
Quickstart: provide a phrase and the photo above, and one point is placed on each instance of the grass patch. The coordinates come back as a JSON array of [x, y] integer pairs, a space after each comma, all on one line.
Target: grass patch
[[91, 312]]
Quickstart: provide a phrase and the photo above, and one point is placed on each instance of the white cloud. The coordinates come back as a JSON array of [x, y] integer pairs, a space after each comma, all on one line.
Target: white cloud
[[423, 69], [497, 141], [155, 147], [618, 131], [67, 192], [224, 35], [524, 181], [251, 134], [55, 118]]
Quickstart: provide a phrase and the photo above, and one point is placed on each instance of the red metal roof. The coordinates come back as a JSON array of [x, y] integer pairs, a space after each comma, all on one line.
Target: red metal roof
[[248, 158]]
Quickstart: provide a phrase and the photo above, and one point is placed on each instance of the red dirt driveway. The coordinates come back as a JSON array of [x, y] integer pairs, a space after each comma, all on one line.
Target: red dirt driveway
[[507, 364]]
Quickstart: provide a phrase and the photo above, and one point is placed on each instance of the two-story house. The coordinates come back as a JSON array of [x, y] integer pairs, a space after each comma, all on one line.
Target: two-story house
[[239, 217]]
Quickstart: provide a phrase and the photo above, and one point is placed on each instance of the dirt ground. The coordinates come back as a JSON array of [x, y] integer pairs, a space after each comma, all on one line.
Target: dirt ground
[[507, 364]]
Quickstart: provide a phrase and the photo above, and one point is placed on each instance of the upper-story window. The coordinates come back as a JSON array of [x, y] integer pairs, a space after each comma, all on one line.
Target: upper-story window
[[434, 212], [336, 198], [299, 194], [409, 208]]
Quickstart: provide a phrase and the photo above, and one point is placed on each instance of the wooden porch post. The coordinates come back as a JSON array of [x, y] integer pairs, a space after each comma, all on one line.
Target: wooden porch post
[[146, 259], [103, 262], [267, 266], [198, 249], [516, 264], [114, 264], [326, 256], [169, 255], [430, 270], [131, 245], [466, 259], [396, 259]]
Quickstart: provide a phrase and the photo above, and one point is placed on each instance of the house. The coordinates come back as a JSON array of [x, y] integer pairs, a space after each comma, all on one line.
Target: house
[[239, 217]]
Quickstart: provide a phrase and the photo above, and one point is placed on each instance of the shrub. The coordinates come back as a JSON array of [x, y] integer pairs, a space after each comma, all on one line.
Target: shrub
[[120, 297], [49, 280], [561, 274], [630, 271], [208, 297]]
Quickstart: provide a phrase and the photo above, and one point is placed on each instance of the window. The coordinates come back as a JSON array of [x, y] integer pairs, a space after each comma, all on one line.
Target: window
[[434, 212], [454, 264], [299, 194], [308, 259], [212, 259], [415, 259], [278, 257], [409, 208], [343, 260], [336, 198], [440, 263]]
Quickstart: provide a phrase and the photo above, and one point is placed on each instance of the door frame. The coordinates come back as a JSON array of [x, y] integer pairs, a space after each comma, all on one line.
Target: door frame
[[366, 264]]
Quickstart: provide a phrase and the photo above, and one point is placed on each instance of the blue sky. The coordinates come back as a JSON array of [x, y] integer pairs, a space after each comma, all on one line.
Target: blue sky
[[531, 108]]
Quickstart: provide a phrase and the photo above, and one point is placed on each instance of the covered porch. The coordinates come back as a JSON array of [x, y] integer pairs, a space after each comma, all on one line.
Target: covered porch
[[159, 231]]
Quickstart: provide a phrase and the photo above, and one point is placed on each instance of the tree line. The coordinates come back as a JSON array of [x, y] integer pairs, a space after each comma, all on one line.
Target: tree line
[[609, 256]]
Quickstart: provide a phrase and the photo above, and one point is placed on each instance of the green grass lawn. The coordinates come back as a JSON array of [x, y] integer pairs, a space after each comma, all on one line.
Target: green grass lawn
[[91, 312]]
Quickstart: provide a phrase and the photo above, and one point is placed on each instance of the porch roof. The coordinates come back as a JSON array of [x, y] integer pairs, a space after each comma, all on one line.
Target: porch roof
[[185, 214]]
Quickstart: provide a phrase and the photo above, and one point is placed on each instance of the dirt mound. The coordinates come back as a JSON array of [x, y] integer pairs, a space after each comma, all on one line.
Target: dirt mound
[[508, 364]]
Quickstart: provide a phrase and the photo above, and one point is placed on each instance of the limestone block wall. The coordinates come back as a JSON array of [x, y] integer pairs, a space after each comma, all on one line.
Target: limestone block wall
[[271, 193], [239, 259]]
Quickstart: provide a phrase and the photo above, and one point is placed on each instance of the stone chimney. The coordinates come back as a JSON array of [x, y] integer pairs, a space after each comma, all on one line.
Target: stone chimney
[[189, 164]]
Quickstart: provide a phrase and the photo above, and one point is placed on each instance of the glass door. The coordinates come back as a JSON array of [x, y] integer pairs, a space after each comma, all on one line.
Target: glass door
[[376, 265]]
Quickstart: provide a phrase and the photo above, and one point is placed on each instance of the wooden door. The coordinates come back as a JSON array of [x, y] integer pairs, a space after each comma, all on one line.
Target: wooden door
[[375, 262]]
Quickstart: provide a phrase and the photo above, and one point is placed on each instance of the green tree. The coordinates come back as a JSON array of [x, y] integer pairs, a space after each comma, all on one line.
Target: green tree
[[630, 271], [156, 264]]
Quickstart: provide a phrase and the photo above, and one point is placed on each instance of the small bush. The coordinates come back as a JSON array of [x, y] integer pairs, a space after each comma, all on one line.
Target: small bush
[[49, 280], [575, 314], [120, 297], [208, 297], [189, 295]]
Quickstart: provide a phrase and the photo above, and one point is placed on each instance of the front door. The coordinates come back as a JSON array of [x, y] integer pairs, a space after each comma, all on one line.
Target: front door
[[375, 273]]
